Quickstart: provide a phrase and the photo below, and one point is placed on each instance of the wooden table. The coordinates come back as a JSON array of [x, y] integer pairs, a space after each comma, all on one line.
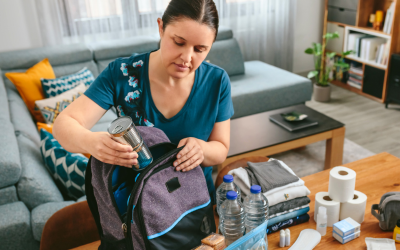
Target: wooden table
[[256, 135], [376, 175]]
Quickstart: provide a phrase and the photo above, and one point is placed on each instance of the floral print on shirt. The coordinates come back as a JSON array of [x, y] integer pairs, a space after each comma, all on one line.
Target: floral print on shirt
[[134, 108]]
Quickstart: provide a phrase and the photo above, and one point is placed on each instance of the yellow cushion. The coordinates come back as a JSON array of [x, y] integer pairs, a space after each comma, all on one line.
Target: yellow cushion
[[45, 126], [29, 85]]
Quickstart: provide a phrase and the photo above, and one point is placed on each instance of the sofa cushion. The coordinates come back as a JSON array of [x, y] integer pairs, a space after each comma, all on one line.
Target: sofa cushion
[[36, 185], [224, 33], [21, 118], [54, 87], [265, 87], [4, 110], [63, 70], [42, 213], [52, 107], [68, 169], [102, 64], [226, 54], [58, 55], [10, 165], [29, 86], [8, 195], [123, 47], [102, 124], [15, 227]]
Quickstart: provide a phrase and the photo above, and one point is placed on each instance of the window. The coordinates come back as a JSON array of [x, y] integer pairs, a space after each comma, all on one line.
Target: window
[[84, 17]]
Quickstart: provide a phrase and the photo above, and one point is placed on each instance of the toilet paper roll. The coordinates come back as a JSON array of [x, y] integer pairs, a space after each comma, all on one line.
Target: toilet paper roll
[[354, 208], [332, 207], [342, 182]]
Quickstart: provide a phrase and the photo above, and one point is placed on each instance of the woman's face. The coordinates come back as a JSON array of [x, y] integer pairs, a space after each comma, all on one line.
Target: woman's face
[[184, 46]]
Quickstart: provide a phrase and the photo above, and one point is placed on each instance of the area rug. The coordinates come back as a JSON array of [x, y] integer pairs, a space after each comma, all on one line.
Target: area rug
[[311, 159]]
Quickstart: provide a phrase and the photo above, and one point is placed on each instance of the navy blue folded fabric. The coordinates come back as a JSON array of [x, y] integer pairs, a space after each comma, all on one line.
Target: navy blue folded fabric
[[288, 223]]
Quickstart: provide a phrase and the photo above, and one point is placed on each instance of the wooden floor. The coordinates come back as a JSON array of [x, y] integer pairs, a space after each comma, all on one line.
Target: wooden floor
[[368, 123]]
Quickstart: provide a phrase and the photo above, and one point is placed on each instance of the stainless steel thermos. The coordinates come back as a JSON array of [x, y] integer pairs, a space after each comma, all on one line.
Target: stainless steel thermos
[[123, 130]]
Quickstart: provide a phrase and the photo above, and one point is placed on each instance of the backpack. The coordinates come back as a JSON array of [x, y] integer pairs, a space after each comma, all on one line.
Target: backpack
[[388, 211], [157, 208]]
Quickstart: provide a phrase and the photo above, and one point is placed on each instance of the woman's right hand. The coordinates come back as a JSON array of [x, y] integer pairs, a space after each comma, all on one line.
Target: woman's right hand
[[105, 149]]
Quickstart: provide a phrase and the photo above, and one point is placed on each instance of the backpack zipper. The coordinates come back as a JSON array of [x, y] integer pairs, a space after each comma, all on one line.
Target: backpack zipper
[[129, 216]]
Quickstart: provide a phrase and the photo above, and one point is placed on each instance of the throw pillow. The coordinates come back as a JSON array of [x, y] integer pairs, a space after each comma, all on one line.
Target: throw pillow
[[45, 126], [52, 107], [54, 87], [29, 86], [67, 169], [49, 128]]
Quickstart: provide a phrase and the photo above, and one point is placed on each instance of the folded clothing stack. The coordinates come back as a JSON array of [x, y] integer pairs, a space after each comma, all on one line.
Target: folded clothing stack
[[286, 193]]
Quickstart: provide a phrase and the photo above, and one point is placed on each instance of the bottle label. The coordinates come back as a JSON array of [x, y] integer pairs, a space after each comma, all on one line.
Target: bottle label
[[398, 237], [322, 225]]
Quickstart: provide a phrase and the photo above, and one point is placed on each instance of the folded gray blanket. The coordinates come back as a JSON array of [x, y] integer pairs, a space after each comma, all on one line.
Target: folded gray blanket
[[269, 175], [287, 205]]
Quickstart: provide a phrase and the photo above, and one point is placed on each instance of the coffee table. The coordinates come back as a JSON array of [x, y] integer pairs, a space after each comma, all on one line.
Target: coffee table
[[256, 135], [376, 175]]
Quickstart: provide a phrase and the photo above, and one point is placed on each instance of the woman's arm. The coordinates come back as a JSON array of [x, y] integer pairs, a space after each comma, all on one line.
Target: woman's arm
[[212, 152], [72, 130]]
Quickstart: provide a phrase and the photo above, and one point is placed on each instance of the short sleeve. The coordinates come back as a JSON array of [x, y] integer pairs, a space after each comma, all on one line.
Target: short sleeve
[[102, 90], [225, 107]]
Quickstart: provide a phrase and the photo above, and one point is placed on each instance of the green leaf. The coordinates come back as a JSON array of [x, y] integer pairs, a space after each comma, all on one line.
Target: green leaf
[[312, 74], [329, 36], [330, 55], [309, 51], [349, 52]]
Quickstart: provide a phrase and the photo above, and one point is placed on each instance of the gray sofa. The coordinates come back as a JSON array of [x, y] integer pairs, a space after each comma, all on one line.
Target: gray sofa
[[28, 194]]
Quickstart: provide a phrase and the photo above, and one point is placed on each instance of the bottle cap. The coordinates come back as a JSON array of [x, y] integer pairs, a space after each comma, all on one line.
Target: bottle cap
[[255, 189], [231, 195], [398, 222], [228, 178], [322, 210]]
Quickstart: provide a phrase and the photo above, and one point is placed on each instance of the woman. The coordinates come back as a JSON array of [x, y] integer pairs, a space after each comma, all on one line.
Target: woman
[[172, 89]]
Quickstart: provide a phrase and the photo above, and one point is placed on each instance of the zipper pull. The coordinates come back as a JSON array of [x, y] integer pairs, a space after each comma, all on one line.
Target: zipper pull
[[125, 229]]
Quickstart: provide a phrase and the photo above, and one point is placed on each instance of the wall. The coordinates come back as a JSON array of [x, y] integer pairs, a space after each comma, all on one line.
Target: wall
[[308, 29], [19, 25]]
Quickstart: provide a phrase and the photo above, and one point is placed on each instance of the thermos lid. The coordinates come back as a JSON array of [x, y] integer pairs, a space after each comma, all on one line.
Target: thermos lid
[[119, 125]]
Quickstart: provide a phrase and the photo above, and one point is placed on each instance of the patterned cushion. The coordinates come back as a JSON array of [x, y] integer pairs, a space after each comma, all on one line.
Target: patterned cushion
[[52, 107], [67, 169], [54, 87]]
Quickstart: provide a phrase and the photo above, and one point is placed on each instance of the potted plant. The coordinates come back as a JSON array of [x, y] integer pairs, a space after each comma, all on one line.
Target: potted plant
[[324, 66]]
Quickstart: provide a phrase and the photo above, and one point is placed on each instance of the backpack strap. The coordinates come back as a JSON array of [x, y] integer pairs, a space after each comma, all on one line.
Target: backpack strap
[[91, 200]]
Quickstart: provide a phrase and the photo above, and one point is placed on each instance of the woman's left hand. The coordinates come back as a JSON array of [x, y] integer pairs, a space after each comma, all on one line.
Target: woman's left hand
[[190, 156]]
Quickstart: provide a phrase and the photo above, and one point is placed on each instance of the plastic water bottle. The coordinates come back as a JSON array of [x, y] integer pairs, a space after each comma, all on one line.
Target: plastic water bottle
[[232, 218], [223, 189], [256, 208]]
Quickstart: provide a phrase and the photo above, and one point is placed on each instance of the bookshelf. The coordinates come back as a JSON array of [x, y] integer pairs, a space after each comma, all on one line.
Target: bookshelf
[[364, 9]]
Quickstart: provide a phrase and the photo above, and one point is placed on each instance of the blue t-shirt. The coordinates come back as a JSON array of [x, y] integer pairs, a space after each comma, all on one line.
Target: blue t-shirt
[[125, 85]]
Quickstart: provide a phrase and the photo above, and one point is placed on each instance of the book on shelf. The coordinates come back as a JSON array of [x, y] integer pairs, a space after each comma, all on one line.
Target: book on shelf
[[351, 41], [359, 43], [356, 68], [387, 27], [353, 84], [370, 46], [385, 56]]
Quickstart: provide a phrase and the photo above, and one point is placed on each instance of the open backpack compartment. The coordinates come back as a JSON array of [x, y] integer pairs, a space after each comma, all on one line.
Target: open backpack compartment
[[156, 208]]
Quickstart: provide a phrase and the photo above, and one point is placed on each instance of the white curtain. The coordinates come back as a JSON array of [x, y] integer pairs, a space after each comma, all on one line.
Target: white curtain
[[263, 28]]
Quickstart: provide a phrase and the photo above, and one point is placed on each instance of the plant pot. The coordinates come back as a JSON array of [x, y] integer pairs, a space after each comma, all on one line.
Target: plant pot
[[322, 93]]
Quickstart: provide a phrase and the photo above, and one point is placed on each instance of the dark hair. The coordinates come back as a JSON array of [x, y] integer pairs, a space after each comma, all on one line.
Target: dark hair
[[202, 11]]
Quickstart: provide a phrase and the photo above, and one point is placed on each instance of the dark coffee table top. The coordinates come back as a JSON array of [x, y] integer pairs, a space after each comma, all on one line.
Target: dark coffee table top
[[257, 131]]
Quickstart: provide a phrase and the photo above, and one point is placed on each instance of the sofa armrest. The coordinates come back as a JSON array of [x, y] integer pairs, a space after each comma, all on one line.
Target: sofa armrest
[[69, 227]]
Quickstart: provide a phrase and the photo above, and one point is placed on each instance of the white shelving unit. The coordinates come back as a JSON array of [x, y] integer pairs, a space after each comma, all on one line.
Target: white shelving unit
[[348, 30]]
